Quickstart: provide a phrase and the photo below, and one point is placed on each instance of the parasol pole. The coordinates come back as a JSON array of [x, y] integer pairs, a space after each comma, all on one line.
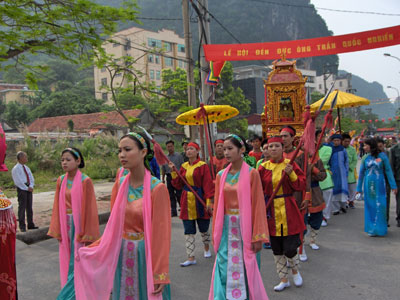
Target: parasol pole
[[328, 121], [338, 114], [307, 127], [160, 155], [203, 114]]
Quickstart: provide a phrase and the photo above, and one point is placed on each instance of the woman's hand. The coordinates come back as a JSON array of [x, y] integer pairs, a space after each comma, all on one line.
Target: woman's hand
[[304, 204], [395, 191], [210, 209], [158, 288], [256, 246], [288, 169]]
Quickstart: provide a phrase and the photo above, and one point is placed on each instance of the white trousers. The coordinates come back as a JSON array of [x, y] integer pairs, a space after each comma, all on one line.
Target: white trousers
[[327, 194], [339, 201], [352, 191]]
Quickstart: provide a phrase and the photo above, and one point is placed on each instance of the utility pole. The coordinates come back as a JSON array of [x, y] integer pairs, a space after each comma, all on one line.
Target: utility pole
[[190, 64], [204, 38]]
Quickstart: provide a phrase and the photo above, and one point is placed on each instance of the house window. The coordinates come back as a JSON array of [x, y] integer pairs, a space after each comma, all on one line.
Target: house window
[[104, 81], [152, 74], [181, 48], [127, 45], [157, 59], [104, 96], [151, 58], [103, 69], [167, 47], [168, 62], [320, 86], [158, 75], [153, 43], [340, 83]]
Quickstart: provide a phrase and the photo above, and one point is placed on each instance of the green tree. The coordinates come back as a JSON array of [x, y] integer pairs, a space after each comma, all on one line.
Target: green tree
[[72, 30], [226, 94], [315, 96], [70, 124], [16, 114]]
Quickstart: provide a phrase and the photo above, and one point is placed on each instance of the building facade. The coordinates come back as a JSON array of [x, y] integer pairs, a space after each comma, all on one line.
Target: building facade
[[20, 93], [342, 83], [151, 52]]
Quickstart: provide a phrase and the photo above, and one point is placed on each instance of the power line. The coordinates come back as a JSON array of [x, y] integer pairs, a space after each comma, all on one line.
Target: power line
[[159, 19], [323, 8], [219, 23]]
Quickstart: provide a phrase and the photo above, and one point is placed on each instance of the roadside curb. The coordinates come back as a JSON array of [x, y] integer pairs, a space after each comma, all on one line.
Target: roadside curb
[[34, 236]]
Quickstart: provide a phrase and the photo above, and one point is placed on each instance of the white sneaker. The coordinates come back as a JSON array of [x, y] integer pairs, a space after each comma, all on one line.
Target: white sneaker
[[207, 254], [281, 286], [303, 256], [297, 279], [314, 246], [188, 263], [324, 223]]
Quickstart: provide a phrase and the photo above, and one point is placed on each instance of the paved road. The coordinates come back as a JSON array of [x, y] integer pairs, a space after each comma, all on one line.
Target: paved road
[[349, 265]]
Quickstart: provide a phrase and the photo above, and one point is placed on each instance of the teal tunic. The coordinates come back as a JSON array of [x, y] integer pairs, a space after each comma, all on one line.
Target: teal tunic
[[133, 251]]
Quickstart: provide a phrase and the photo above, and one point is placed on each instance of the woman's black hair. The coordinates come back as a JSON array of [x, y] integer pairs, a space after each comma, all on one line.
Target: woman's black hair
[[76, 153], [237, 143], [373, 145], [150, 154]]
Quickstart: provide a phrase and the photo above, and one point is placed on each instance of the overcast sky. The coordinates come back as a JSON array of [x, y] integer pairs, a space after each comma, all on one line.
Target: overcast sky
[[371, 65]]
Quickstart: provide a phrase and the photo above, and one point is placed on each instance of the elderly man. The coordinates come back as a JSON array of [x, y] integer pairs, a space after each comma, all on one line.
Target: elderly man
[[24, 181]]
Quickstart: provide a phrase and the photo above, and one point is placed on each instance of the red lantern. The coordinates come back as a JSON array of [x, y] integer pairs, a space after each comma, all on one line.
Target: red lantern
[[370, 121], [363, 121], [390, 119], [383, 120], [356, 121], [376, 120], [397, 117]]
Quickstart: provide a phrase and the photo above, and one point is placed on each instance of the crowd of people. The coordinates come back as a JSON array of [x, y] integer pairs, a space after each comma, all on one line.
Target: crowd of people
[[257, 197]]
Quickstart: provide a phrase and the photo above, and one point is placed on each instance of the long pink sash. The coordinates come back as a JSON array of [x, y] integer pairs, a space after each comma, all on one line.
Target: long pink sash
[[254, 280], [95, 267], [76, 202]]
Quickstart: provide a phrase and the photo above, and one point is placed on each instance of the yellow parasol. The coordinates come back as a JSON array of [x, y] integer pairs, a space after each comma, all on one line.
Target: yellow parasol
[[213, 114], [204, 115], [343, 100]]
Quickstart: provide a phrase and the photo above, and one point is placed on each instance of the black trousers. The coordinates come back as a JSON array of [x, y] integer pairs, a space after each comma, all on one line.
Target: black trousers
[[174, 195], [25, 204], [398, 202]]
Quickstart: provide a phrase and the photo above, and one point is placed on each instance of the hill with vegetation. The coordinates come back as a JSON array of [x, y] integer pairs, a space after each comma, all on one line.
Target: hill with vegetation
[[246, 21]]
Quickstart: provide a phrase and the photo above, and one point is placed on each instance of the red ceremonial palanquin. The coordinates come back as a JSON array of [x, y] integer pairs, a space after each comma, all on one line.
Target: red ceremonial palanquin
[[8, 275], [284, 217], [199, 177]]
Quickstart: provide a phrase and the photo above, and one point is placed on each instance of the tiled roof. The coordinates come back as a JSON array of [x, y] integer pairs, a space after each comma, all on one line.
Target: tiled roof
[[83, 122], [385, 129]]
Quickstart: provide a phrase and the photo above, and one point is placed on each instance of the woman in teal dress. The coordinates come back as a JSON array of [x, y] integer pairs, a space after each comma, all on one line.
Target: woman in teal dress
[[372, 180], [74, 221]]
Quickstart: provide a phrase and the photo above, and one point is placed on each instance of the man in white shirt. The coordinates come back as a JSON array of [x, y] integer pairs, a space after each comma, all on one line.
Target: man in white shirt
[[24, 181]]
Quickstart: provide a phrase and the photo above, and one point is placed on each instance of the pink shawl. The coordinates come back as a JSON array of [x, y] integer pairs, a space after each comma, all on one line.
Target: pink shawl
[[254, 280], [76, 202], [95, 266]]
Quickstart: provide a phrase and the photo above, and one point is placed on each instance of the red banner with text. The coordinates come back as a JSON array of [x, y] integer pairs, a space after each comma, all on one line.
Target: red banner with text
[[305, 48]]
